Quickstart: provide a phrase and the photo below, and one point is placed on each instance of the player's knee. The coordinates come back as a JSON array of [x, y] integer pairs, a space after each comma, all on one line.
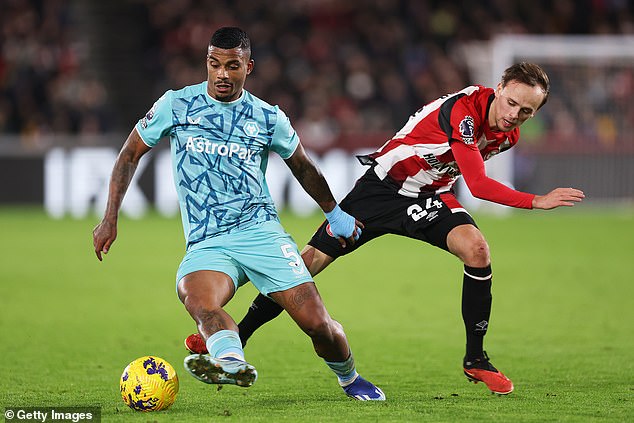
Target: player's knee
[[200, 309], [321, 329], [477, 254], [198, 305], [468, 243]]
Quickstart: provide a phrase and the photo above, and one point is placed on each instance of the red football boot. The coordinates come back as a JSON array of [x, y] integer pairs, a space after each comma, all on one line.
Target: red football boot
[[196, 344], [481, 370]]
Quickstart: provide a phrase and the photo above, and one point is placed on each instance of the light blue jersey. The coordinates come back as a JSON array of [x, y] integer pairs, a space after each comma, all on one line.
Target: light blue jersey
[[219, 157]]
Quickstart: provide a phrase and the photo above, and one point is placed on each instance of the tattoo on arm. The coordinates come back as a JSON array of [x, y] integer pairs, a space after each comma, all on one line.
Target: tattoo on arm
[[123, 171], [311, 179], [122, 174]]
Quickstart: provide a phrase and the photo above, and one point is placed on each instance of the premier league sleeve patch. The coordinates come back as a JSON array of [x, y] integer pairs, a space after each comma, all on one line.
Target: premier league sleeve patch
[[148, 117], [466, 130]]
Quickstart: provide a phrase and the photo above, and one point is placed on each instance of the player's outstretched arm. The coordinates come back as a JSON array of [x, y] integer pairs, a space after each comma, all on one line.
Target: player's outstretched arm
[[343, 226], [558, 197], [125, 166], [471, 165]]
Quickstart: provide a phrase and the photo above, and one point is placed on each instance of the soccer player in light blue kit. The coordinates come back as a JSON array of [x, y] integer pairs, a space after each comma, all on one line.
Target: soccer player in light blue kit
[[220, 137]]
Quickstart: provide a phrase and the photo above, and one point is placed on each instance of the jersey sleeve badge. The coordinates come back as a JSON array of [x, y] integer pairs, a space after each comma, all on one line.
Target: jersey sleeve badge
[[467, 130]]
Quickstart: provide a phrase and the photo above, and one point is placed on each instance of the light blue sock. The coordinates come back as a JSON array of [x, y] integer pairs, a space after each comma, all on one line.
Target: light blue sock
[[225, 343], [345, 370]]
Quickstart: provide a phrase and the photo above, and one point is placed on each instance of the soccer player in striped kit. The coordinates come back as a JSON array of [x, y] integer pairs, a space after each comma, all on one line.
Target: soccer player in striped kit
[[408, 191], [220, 137]]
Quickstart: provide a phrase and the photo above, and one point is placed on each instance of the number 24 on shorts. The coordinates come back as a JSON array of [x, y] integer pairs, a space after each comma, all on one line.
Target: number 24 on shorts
[[416, 212]]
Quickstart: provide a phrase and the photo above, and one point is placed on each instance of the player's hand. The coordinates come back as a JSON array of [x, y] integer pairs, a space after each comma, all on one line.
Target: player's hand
[[558, 197], [103, 236], [344, 227]]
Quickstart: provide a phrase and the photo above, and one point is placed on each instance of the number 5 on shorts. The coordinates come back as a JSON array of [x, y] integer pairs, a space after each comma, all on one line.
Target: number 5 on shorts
[[296, 263]]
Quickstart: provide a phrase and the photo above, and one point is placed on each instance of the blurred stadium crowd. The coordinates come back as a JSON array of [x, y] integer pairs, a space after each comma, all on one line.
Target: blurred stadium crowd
[[338, 68], [43, 86]]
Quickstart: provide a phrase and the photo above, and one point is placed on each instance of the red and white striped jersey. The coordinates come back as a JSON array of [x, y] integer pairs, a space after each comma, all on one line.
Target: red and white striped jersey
[[419, 158]]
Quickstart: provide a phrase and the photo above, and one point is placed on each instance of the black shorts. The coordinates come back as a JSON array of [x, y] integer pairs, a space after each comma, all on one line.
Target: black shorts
[[382, 210]]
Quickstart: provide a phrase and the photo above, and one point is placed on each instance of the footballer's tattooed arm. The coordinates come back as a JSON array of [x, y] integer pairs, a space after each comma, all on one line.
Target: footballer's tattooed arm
[[314, 183], [311, 179], [125, 166]]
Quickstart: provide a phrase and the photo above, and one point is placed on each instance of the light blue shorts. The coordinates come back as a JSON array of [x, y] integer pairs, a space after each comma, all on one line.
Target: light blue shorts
[[264, 254]]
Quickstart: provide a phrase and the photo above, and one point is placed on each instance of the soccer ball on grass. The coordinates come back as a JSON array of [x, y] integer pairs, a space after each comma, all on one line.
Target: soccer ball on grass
[[149, 384]]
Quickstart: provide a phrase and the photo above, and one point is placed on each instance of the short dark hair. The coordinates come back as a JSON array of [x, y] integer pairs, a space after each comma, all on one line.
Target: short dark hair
[[529, 74], [230, 37]]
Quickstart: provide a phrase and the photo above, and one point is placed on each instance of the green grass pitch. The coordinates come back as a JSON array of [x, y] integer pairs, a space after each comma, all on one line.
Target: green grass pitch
[[561, 328]]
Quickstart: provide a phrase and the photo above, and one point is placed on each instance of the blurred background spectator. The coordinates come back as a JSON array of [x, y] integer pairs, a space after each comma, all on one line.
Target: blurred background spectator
[[45, 87], [348, 73]]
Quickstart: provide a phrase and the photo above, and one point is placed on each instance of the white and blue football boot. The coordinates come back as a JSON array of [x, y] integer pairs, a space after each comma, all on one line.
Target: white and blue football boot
[[220, 371], [363, 390]]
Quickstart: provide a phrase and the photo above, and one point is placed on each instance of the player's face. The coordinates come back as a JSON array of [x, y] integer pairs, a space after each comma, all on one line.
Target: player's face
[[513, 105], [227, 70]]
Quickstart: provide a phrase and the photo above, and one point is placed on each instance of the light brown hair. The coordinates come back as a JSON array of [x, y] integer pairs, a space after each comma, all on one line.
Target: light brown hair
[[529, 74]]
